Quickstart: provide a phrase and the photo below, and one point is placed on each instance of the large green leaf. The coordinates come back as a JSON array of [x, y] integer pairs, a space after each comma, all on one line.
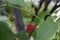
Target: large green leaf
[[46, 30], [37, 21], [5, 32]]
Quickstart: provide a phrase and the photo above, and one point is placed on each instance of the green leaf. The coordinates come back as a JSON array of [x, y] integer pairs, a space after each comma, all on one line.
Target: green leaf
[[5, 32], [37, 21], [46, 30], [22, 35], [16, 2], [41, 16]]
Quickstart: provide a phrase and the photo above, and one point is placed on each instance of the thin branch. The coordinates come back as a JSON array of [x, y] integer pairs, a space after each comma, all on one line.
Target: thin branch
[[52, 10], [37, 9], [40, 4], [47, 2]]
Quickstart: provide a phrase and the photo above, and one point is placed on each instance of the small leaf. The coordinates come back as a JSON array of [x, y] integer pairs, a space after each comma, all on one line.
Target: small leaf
[[41, 16]]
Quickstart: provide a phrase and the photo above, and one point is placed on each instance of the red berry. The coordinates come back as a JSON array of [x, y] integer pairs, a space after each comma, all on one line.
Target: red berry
[[30, 28]]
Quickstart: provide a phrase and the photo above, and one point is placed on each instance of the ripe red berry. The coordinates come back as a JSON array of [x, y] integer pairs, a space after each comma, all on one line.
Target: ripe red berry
[[30, 28]]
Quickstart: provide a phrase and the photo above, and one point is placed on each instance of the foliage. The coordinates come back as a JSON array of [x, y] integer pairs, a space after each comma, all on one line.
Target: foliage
[[46, 29], [5, 32]]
